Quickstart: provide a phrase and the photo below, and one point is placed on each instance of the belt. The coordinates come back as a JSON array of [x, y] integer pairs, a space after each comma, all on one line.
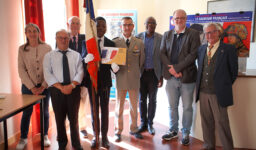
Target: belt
[[147, 70]]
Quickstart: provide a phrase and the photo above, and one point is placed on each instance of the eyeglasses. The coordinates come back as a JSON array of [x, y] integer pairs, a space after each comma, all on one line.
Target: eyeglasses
[[62, 38], [127, 25], [210, 32], [179, 18]]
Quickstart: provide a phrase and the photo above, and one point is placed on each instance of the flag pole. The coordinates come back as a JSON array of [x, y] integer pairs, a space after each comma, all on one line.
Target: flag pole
[[93, 90]]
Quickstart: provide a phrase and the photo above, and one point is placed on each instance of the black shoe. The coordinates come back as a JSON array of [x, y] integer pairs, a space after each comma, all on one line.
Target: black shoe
[[169, 135], [151, 130], [105, 142], [85, 134], [142, 128], [78, 148], [137, 135], [94, 143], [185, 140], [117, 137]]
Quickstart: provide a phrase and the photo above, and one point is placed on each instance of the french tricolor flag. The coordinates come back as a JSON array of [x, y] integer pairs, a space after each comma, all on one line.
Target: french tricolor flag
[[91, 42]]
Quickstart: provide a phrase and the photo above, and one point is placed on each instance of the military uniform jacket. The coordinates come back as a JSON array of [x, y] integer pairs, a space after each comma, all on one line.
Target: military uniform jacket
[[128, 76]]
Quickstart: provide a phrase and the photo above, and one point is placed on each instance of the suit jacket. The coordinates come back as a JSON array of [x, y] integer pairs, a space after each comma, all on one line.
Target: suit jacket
[[187, 54], [128, 76], [104, 74], [156, 52], [225, 73], [81, 38]]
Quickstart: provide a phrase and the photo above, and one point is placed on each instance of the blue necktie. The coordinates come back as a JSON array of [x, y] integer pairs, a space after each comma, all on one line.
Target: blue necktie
[[66, 74]]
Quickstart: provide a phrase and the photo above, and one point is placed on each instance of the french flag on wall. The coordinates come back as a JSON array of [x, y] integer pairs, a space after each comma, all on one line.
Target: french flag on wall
[[91, 44]]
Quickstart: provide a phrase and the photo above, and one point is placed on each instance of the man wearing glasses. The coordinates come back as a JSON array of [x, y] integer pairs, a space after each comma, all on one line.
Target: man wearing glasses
[[178, 54], [151, 77], [217, 71], [63, 72], [128, 78]]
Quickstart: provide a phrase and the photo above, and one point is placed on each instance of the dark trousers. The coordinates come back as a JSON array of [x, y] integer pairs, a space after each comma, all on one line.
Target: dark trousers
[[102, 98], [66, 105], [26, 115], [148, 88]]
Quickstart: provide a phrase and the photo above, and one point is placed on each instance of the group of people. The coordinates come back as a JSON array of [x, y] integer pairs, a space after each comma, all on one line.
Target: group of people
[[62, 74]]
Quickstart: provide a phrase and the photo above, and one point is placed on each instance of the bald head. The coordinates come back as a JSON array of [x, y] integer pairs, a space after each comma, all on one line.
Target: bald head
[[74, 25], [62, 39]]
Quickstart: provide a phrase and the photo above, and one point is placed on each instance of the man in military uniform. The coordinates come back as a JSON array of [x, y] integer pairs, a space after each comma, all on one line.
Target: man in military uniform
[[128, 78]]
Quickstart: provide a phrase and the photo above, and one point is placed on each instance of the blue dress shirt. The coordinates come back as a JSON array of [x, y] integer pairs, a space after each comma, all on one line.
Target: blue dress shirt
[[149, 45]]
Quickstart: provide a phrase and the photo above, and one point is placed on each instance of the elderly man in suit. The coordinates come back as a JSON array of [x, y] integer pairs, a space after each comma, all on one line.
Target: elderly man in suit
[[76, 39], [178, 54], [151, 77], [217, 71], [104, 84], [128, 78], [75, 43]]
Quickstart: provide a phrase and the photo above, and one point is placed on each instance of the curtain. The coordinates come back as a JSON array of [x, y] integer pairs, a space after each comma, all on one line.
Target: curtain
[[34, 14], [72, 7]]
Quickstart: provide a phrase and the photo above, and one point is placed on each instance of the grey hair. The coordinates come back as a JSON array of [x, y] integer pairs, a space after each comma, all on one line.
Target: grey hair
[[71, 18], [217, 27], [181, 11]]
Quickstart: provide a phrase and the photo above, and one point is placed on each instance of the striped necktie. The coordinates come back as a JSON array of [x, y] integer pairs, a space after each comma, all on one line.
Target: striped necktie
[[209, 54]]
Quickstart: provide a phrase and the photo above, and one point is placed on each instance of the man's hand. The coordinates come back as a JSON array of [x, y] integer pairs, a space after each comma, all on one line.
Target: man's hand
[[67, 89], [89, 57], [114, 67], [160, 82], [173, 72]]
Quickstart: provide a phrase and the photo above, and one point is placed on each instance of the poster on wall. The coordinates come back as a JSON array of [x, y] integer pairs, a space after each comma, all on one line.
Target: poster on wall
[[113, 18], [236, 28]]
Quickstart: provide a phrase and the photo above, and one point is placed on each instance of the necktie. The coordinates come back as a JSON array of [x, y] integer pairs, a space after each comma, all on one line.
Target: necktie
[[127, 43], [99, 40], [74, 43], [209, 53], [66, 75]]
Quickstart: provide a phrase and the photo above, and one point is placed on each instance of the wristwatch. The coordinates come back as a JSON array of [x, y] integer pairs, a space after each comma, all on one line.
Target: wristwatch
[[73, 85]]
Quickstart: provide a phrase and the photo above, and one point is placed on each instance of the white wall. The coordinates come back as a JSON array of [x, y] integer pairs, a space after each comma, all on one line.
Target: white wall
[[11, 32]]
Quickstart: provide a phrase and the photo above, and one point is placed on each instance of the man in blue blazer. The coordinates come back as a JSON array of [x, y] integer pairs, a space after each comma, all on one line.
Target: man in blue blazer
[[217, 71]]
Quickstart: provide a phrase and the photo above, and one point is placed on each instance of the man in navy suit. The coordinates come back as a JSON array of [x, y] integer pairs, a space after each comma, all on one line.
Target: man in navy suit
[[217, 71], [75, 43], [76, 39], [104, 84]]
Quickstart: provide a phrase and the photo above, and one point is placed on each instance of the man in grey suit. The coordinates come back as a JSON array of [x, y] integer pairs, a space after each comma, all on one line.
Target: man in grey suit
[[178, 54], [128, 78], [151, 77]]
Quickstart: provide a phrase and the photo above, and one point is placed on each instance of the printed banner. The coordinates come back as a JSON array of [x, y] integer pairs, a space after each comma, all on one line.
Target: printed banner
[[236, 28], [113, 18]]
